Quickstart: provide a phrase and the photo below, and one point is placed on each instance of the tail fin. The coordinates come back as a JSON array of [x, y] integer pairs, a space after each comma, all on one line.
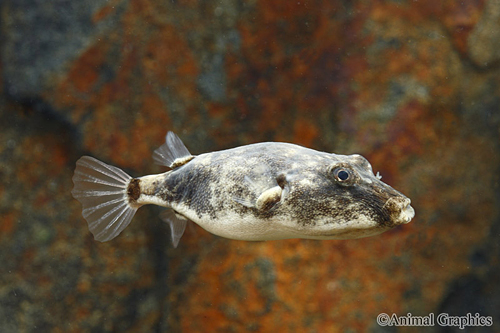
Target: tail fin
[[102, 191]]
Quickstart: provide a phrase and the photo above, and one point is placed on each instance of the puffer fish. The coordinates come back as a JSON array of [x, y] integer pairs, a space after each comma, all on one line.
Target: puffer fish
[[261, 191]]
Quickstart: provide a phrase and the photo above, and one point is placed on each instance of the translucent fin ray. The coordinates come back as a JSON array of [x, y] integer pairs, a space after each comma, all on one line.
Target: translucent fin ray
[[177, 224], [257, 183], [102, 191], [172, 153], [105, 169]]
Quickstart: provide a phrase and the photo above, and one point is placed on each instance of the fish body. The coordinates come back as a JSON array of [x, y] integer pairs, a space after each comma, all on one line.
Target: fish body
[[262, 191]]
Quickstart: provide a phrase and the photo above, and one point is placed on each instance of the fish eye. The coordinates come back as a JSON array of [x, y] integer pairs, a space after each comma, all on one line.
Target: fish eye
[[343, 175]]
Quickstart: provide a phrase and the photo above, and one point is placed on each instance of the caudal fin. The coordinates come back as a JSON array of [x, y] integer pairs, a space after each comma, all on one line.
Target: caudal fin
[[102, 191]]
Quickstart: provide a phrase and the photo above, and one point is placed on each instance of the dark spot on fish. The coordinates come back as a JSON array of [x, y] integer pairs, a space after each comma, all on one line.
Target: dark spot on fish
[[281, 180], [338, 204], [191, 187], [371, 204], [134, 190]]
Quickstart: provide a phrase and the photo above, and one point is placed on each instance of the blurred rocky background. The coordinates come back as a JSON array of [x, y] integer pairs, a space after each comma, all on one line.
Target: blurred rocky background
[[414, 86]]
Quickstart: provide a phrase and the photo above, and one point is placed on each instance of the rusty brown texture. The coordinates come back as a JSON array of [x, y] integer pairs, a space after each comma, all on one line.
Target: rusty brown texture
[[414, 86]]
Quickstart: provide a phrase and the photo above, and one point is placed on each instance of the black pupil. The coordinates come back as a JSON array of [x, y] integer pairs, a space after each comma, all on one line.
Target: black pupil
[[343, 175]]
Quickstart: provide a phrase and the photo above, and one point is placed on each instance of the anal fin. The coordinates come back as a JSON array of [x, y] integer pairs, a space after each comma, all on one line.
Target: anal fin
[[177, 224]]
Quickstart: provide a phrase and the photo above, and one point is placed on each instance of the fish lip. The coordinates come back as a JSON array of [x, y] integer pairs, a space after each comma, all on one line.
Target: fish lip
[[407, 212], [399, 210]]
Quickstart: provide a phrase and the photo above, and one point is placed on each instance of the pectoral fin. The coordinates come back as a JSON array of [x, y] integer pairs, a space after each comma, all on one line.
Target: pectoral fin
[[268, 199], [177, 224], [264, 194]]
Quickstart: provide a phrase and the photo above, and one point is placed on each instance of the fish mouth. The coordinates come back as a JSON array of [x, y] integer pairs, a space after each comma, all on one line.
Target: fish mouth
[[407, 212], [400, 210]]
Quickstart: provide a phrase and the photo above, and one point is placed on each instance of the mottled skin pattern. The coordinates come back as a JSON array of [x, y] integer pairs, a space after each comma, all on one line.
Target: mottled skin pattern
[[219, 190]]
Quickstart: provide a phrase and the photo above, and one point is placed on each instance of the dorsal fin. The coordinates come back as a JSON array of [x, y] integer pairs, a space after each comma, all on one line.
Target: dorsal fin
[[172, 153]]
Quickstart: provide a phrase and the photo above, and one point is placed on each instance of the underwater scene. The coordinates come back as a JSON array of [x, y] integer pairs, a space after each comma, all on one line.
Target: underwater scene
[[331, 166]]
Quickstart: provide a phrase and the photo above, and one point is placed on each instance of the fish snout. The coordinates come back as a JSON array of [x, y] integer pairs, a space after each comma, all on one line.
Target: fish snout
[[399, 209]]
